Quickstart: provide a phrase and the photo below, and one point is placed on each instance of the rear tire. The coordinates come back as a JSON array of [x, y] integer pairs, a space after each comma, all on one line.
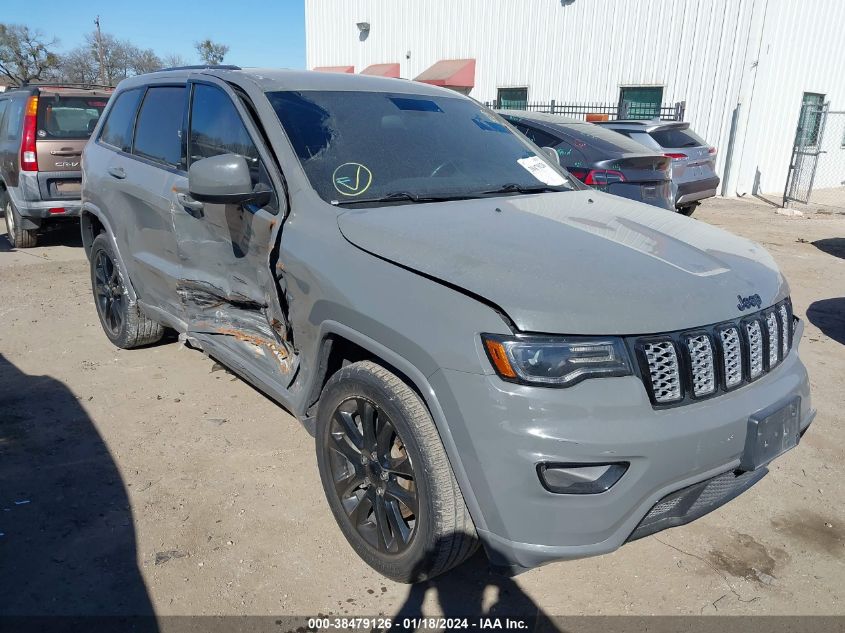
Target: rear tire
[[122, 320], [687, 209], [392, 491], [17, 236]]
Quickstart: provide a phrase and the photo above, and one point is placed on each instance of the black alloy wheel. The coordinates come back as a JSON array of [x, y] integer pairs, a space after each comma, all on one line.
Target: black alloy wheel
[[109, 293], [373, 475]]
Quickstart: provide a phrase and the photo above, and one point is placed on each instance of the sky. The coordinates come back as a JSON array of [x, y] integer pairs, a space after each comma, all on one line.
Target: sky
[[269, 33]]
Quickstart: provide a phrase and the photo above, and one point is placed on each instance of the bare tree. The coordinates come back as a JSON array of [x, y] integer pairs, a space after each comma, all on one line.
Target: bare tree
[[173, 60], [210, 52], [143, 60], [79, 66], [25, 54]]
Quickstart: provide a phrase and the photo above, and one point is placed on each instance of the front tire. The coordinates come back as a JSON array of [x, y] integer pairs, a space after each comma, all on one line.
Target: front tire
[[387, 478], [122, 320], [18, 237]]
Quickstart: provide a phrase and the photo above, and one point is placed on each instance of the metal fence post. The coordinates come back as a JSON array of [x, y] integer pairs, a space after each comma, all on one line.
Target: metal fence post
[[552, 107]]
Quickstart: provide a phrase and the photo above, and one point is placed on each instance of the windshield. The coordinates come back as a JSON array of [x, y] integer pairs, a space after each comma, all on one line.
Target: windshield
[[359, 147], [68, 117]]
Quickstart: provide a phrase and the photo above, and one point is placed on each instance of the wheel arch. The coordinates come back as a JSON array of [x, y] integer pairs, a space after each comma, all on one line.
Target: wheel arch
[[92, 222], [336, 341]]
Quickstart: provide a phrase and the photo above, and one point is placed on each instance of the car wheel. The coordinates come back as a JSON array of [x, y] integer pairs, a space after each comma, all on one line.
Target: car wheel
[[687, 209], [122, 320], [387, 478], [18, 237]]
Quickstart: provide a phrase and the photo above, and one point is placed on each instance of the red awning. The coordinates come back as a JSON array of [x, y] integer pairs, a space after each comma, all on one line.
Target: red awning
[[334, 69], [382, 70], [452, 73]]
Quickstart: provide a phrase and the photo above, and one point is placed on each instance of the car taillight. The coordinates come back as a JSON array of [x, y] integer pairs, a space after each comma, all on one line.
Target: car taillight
[[29, 158], [56, 210], [712, 151], [598, 177], [676, 156]]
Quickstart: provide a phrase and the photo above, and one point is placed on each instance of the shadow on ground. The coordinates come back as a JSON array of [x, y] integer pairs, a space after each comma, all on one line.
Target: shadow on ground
[[832, 246], [829, 316], [68, 540], [471, 590]]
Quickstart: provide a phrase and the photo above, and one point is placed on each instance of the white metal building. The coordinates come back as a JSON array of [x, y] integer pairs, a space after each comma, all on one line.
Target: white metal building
[[743, 67]]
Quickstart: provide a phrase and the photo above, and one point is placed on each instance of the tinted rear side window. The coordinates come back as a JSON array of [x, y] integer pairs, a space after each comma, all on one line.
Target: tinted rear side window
[[159, 123], [68, 117], [538, 137], [117, 130], [13, 118], [677, 138]]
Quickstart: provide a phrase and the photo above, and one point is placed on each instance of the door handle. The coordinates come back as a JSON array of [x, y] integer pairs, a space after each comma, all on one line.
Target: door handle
[[193, 207], [65, 153], [117, 172]]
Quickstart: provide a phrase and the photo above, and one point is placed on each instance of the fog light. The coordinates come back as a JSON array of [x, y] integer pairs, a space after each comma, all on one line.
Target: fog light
[[580, 479]]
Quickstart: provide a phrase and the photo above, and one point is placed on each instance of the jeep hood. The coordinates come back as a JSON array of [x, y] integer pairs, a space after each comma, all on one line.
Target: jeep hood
[[580, 262]]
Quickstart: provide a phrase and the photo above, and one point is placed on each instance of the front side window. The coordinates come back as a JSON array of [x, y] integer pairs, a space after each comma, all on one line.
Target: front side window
[[68, 117], [117, 130], [159, 124], [375, 145], [217, 128]]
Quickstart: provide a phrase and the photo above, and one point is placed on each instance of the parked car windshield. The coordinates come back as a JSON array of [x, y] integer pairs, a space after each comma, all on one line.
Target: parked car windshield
[[68, 117], [359, 147]]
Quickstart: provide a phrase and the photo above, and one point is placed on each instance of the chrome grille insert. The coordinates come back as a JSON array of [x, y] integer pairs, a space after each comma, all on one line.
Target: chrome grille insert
[[702, 365], [774, 338], [784, 329], [754, 338], [663, 370], [732, 356]]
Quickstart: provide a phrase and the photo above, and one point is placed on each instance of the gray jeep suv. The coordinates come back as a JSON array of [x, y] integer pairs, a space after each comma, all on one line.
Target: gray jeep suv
[[485, 350]]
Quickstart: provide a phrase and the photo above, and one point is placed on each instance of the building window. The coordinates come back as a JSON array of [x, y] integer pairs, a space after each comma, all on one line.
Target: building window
[[810, 120], [640, 102], [512, 98]]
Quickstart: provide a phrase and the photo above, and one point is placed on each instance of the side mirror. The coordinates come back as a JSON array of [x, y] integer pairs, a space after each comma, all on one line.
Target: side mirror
[[224, 179], [552, 153]]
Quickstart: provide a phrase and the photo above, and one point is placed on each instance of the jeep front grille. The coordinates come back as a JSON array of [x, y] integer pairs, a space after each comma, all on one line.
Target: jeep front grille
[[663, 371], [679, 367]]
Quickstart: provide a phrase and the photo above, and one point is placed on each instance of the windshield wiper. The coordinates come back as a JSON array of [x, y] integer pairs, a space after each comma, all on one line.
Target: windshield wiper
[[406, 196], [512, 187]]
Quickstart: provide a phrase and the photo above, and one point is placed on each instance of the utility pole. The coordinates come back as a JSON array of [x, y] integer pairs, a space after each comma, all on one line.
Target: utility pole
[[100, 54]]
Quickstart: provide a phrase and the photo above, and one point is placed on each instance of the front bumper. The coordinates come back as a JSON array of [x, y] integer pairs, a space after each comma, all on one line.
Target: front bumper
[[504, 430]]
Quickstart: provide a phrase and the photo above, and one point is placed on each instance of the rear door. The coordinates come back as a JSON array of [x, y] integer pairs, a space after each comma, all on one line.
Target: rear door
[[137, 187], [229, 294]]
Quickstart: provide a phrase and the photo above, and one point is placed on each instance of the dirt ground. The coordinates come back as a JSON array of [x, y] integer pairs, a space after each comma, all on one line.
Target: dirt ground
[[153, 481]]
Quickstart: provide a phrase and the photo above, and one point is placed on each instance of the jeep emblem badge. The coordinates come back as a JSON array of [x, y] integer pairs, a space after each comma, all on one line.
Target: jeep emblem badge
[[751, 301]]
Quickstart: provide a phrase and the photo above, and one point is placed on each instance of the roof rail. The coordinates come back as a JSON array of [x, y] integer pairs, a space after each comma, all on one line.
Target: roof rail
[[203, 67], [62, 84]]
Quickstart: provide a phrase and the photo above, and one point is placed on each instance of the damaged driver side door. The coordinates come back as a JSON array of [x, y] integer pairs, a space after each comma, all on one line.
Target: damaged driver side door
[[231, 299]]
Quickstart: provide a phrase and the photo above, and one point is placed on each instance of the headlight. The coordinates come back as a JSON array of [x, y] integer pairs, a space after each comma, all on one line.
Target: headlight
[[556, 362]]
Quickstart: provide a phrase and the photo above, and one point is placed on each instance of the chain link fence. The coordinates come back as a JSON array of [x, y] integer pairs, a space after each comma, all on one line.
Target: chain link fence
[[817, 171]]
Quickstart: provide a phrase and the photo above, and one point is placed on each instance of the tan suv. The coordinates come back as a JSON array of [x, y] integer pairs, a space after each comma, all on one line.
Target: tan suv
[[43, 129]]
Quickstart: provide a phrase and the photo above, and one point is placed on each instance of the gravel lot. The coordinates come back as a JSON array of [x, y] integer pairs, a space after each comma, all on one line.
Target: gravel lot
[[154, 481]]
